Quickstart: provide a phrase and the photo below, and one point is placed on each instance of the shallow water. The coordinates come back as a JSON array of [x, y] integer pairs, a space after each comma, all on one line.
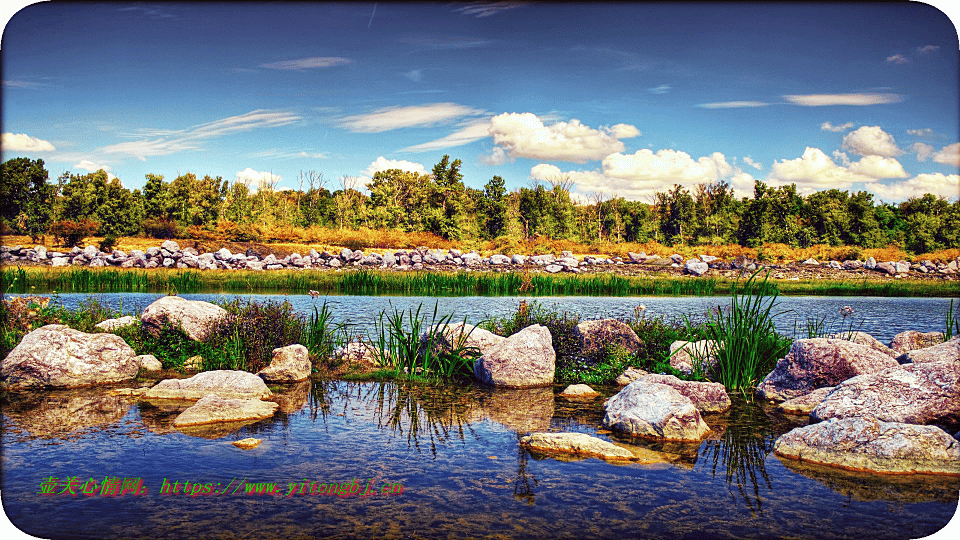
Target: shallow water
[[455, 451], [881, 317]]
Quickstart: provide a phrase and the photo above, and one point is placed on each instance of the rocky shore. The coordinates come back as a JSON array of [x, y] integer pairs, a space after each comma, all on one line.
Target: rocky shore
[[170, 255]]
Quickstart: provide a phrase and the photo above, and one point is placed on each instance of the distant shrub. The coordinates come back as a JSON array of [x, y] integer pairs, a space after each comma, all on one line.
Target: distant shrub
[[70, 233], [161, 228], [108, 243]]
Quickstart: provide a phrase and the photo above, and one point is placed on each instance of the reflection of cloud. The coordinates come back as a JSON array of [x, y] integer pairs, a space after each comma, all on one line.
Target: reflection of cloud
[[21, 142], [820, 100]]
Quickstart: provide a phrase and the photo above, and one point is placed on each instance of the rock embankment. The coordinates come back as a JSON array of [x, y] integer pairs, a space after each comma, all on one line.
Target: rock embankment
[[170, 255]]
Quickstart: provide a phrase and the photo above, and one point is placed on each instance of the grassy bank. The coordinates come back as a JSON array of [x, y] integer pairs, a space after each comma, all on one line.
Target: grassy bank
[[46, 279]]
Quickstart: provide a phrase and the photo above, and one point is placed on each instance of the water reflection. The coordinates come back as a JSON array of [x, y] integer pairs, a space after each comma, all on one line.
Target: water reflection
[[63, 413]]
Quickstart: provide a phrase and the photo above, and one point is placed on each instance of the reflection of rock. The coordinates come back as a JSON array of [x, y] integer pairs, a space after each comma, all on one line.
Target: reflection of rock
[[526, 409], [867, 444], [294, 398], [158, 415], [51, 414], [577, 444], [225, 383], [889, 488], [196, 317], [289, 364], [214, 431], [213, 409], [653, 410], [56, 356]]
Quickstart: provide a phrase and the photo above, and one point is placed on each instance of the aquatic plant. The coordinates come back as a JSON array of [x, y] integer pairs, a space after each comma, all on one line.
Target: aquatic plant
[[952, 323], [322, 336]]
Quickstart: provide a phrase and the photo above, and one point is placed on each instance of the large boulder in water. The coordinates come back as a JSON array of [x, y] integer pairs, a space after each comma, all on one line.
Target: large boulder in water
[[289, 364], [523, 360], [654, 411], [948, 351], [912, 340], [868, 444], [912, 394], [705, 396], [214, 409], [454, 336], [576, 444], [56, 356], [195, 316], [817, 362], [225, 383]]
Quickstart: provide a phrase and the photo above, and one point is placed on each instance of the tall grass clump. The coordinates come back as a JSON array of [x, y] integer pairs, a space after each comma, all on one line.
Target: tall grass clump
[[748, 345], [321, 336], [952, 323], [252, 330], [404, 342]]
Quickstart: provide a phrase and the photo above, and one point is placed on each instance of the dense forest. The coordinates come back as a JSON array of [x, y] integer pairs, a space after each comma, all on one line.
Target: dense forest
[[75, 206]]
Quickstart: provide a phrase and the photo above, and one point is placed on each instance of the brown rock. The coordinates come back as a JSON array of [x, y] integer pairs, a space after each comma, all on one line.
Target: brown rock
[[944, 352], [577, 444], [56, 356], [706, 396], [247, 443], [912, 340], [225, 383], [802, 405], [868, 444], [595, 336], [194, 316], [630, 375], [818, 362], [579, 391], [289, 364], [523, 360], [685, 356], [213, 409], [913, 394], [654, 411], [863, 338], [466, 335]]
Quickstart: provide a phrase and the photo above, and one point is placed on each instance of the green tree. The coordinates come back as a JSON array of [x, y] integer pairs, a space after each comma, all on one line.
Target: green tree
[[26, 195], [494, 207]]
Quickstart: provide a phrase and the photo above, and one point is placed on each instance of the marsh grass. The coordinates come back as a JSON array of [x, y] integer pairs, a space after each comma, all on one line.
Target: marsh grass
[[952, 323]]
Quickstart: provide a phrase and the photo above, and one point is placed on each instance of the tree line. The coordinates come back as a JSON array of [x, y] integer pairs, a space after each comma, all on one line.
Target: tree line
[[95, 204]]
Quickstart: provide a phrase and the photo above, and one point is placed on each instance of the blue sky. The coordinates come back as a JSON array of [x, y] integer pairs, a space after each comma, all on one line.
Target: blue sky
[[621, 99]]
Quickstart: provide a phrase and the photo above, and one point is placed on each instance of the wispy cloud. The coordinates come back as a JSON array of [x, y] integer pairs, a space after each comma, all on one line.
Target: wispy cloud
[[441, 42], [915, 54], [21, 142], [922, 132], [171, 141], [390, 118], [827, 126], [474, 131], [486, 9], [897, 59], [821, 100], [662, 89], [732, 104], [314, 62], [414, 75], [27, 85], [289, 154]]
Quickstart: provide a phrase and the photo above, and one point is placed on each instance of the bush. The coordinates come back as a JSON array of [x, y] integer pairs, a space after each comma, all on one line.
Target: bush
[[71, 233], [108, 243], [164, 228], [247, 337]]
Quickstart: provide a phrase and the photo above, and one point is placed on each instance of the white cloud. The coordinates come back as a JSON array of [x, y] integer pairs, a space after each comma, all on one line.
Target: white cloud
[[827, 126], [927, 49], [924, 132], [622, 131], [523, 135], [923, 150], [815, 170], [749, 161], [819, 100], [486, 9], [662, 89], [949, 155], [897, 59], [732, 104], [871, 140], [384, 164], [256, 180], [939, 184], [878, 167], [390, 118], [314, 62], [88, 165], [143, 149], [414, 75], [473, 131], [21, 142]]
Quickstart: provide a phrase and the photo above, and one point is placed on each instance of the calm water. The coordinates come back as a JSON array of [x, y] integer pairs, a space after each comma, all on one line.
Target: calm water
[[456, 454], [881, 317], [455, 451]]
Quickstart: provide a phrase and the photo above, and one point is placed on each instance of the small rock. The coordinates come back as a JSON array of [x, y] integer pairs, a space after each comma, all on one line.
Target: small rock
[[579, 391], [212, 409], [578, 444], [247, 443], [289, 364]]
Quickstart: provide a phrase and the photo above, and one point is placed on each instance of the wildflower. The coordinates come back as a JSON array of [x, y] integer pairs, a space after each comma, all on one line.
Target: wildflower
[[846, 311], [314, 293]]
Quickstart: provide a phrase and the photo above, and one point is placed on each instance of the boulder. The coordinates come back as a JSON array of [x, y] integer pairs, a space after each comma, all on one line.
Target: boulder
[[497, 259], [913, 394], [576, 444], [357, 352], [630, 375], [112, 324], [525, 359], [170, 246], [637, 258], [148, 362], [708, 258], [56, 356], [518, 259], [948, 351], [817, 362], [289, 364], [870, 264], [705, 396], [225, 383], [465, 335], [213, 409], [575, 391], [194, 316], [553, 268], [802, 405], [696, 267], [684, 355], [655, 411], [871, 445], [594, 336], [863, 338], [888, 267], [912, 340]]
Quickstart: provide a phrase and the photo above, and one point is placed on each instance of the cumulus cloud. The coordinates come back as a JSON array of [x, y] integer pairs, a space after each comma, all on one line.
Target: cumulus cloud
[[88, 165], [390, 118], [820, 100], [384, 164], [256, 180], [523, 135], [21, 142], [473, 131], [939, 184], [314, 62], [923, 150], [949, 155], [878, 167], [815, 170], [827, 126], [749, 161], [871, 141], [732, 104]]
